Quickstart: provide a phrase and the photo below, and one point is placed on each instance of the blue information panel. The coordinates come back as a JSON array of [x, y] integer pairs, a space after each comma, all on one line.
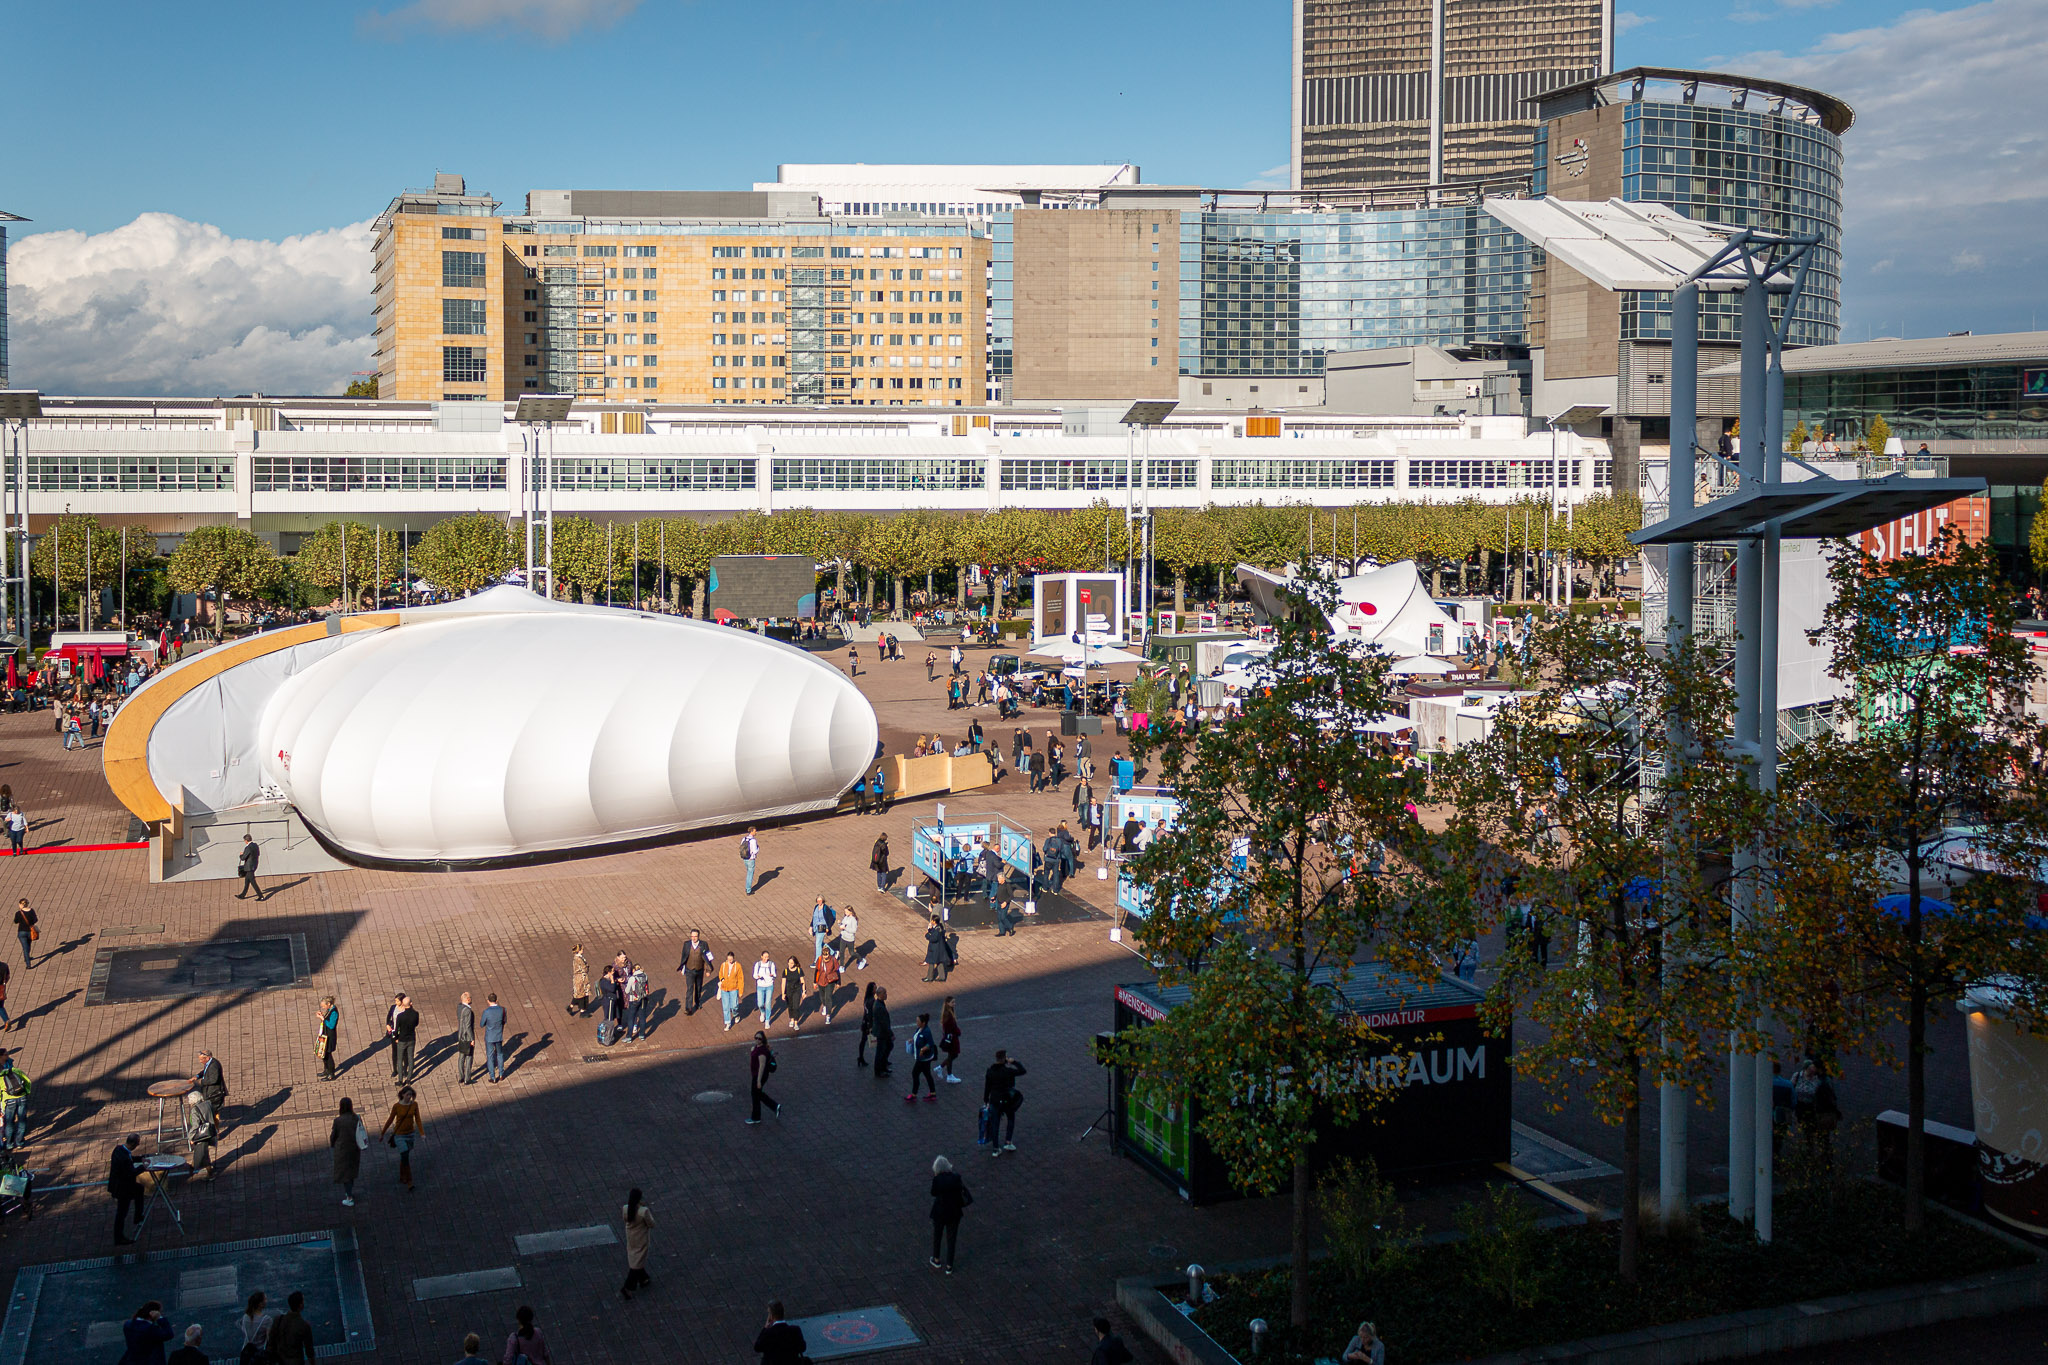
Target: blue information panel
[[1016, 850], [957, 841]]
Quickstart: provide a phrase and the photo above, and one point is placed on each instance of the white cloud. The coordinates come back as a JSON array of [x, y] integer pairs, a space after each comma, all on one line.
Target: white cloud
[[1272, 178], [164, 306], [553, 20], [1947, 164], [1627, 21]]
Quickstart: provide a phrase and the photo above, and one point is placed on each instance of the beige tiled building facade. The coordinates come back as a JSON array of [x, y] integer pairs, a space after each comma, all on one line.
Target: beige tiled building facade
[[1411, 92], [718, 298], [1097, 304]]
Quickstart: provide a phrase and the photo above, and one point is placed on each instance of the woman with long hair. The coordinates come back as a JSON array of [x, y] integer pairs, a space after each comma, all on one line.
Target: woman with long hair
[[255, 1325], [792, 991], [526, 1342], [639, 1237], [406, 1129], [949, 1041], [324, 1040]]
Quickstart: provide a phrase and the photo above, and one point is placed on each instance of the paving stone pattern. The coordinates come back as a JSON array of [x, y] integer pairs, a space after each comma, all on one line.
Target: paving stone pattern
[[825, 1207]]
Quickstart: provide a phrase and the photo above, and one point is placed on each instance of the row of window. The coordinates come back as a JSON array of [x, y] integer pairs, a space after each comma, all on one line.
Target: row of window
[[373, 474], [1043, 475], [131, 473]]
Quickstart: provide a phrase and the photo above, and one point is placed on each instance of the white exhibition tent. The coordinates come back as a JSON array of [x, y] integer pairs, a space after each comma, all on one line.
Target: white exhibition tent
[[506, 723], [1066, 651], [1389, 607]]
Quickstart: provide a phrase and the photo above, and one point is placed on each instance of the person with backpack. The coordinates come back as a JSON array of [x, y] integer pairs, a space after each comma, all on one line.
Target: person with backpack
[[950, 1198], [923, 1052], [765, 977], [348, 1139], [760, 1066], [1000, 1096], [825, 976], [750, 853]]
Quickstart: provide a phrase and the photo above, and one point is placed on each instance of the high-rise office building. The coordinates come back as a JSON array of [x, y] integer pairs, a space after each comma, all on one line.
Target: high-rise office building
[[5, 219], [1414, 92], [676, 296]]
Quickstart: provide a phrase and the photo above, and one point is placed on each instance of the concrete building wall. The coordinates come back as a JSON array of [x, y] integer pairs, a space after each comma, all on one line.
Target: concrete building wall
[[1575, 321], [1096, 304]]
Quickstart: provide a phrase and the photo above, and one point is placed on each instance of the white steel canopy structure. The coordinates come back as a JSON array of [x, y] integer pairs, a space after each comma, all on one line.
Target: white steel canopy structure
[[494, 727]]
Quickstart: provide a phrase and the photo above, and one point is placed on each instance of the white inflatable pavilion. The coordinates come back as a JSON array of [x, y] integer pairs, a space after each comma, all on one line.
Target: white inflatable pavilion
[[500, 725], [1389, 607]]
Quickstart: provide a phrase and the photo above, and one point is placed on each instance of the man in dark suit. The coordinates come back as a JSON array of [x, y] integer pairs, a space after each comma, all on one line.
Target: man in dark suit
[[291, 1336], [465, 1039], [246, 866], [124, 1187], [405, 1026], [212, 1082]]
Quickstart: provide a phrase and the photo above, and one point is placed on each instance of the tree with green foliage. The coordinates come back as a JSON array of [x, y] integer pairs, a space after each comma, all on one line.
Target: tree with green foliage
[[589, 559], [236, 566], [1292, 786], [2037, 538], [467, 553], [1935, 779], [78, 551], [1187, 539], [1549, 813], [1877, 435], [357, 562], [361, 388]]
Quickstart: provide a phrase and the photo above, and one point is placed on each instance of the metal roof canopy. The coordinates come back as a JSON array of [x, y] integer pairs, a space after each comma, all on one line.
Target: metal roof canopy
[[543, 407], [1149, 412], [1815, 509], [1625, 246]]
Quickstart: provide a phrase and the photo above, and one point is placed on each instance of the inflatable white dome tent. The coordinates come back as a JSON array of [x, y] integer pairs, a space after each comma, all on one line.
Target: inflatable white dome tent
[[1389, 607], [499, 725]]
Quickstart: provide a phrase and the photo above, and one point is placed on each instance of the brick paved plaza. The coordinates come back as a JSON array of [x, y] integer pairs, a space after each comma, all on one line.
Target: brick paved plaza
[[825, 1208]]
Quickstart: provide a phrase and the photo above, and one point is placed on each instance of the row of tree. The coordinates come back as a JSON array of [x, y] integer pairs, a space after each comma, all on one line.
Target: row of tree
[[1460, 544], [1690, 906]]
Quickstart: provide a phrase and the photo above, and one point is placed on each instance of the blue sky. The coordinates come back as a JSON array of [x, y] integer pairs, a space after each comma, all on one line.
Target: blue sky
[[257, 123]]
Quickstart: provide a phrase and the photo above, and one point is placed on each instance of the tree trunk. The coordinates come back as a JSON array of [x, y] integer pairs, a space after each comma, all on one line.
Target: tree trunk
[[839, 592], [1436, 578], [899, 596], [1632, 1175], [1916, 1110], [1180, 593], [1297, 1310]]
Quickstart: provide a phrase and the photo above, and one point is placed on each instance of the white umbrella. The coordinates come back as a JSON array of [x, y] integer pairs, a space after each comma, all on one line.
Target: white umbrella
[[1422, 663]]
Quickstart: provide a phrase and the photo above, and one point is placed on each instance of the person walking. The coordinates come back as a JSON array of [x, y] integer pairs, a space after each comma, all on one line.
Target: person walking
[[885, 1036], [781, 1343], [924, 1050], [17, 830], [15, 1088], [955, 657], [27, 929], [849, 939], [867, 1024], [999, 1092], [465, 1040], [825, 981], [526, 1343], [639, 1220], [853, 661], [950, 1198], [579, 982], [494, 1037], [1109, 1347], [199, 1133], [822, 917], [6, 972], [938, 954], [406, 1129], [750, 853], [245, 868], [405, 1029], [793, 991], [878, 862], [255, 1324], [291, 1336], [328, 1037], [209, 1080], [765, 976], [346, 1140], [760, 1066], [124, 1188], [696, 960], [949, 1042], [731, 981], [931, 665]]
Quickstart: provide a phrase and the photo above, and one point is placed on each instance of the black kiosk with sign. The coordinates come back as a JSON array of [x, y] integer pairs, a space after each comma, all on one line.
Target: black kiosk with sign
[[1453, 1091]]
